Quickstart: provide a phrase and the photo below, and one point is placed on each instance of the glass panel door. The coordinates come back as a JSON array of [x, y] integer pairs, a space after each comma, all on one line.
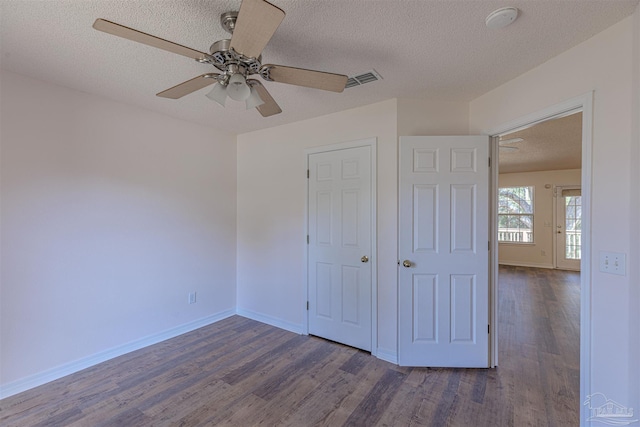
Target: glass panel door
[[568, 228]]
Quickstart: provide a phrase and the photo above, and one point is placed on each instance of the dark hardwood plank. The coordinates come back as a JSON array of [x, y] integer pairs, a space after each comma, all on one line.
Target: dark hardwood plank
[[239, 372], [258, 364], [479, 386], [355, 362], [373, 406]]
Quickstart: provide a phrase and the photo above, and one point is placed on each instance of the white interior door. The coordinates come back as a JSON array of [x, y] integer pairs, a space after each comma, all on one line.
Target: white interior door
[[568, 227], [444, 254], [340, 243]]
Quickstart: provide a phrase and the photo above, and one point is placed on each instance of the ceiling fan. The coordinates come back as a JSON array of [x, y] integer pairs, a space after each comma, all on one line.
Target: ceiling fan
[[504, 144], [237, 58]]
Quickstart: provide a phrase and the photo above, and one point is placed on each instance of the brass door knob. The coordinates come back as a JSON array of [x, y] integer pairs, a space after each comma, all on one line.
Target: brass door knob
[[406, 263], [364, 259]]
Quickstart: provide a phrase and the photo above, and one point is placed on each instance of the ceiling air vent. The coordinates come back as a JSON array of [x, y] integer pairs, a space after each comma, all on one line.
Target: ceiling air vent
[[360, 79]]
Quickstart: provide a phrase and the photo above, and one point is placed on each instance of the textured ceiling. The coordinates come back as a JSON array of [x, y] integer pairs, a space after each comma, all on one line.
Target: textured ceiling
[[439, 49], [551, 145]]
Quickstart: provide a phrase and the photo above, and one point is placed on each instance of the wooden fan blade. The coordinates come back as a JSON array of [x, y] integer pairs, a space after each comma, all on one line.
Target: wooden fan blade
[[307, 78], [148, 39], [269, 108], [178, 91], [256, 23]]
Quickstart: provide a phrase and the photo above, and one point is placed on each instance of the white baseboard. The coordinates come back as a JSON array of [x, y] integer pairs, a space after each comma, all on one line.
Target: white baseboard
[[387, 356], [53, 374], [526, 264], [49, 375], [270, 320]]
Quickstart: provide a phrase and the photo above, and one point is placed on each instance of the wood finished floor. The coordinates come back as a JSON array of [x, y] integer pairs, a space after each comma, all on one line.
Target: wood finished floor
[[243, 373]]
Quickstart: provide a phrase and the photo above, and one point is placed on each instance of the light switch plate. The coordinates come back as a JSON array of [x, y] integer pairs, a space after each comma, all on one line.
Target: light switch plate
[[613, 263]]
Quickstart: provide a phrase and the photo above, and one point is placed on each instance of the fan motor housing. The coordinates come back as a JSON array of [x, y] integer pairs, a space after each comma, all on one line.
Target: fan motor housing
[[223, 56]]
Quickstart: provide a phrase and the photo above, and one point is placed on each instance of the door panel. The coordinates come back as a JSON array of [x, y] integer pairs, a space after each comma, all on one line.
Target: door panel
[[340, 186], [463, 218], [425, 307], [443, 236], [463, 303], [425, 218]]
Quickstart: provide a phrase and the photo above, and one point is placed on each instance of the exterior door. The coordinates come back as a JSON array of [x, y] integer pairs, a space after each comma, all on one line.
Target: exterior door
[[568, 227], [443, 248], [340, 243]]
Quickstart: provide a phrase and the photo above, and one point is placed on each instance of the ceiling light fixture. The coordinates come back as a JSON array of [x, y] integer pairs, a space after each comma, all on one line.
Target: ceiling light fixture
[[238, 88], [218, 93], [254, 99], [502, 17]]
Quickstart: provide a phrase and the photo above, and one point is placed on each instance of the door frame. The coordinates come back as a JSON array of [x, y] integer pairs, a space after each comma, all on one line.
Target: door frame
[[582, 103], [556, 220], [372, 143]]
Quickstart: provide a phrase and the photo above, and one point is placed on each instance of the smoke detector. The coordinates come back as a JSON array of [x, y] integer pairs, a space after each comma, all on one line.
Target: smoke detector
[[502, 17]]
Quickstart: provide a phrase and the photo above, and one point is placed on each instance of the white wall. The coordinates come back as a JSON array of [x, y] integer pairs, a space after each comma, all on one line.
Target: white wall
[[602, 64], [419, 116], [271, 214], [110, 215], [272, 200], [634, 255], [540, 253]]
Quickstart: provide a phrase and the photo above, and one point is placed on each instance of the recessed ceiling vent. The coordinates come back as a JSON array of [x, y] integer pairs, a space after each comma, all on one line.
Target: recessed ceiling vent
[[360, 79]]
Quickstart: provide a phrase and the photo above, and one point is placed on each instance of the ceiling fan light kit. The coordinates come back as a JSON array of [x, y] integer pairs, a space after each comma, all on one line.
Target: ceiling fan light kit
[[237, 87], [237, 58], [218, 94], [254, 99]]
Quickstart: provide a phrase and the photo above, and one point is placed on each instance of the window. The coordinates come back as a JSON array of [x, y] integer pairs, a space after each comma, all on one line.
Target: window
[[515, 214]]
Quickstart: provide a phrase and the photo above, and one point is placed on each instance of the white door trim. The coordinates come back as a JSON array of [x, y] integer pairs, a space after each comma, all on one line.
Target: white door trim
[[582, 103], [373, 259], [493, 253]]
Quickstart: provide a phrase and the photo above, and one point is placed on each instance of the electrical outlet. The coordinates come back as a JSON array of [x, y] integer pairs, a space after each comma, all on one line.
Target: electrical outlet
[[613, 263], [192, 297]]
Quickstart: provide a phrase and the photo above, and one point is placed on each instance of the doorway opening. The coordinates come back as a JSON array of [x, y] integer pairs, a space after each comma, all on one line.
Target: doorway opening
[[552, 188], [539, 194], [539, 250]]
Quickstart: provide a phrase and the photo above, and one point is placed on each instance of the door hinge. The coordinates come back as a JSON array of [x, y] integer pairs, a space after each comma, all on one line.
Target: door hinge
[[307, 305], [488, 328], [307, 239], [489, 161], [307, 173], [489, 245]]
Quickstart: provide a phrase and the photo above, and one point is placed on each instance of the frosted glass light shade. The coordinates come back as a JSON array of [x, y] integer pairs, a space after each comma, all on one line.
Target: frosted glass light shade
[[237, 88], [254, 99], [218, 94]]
